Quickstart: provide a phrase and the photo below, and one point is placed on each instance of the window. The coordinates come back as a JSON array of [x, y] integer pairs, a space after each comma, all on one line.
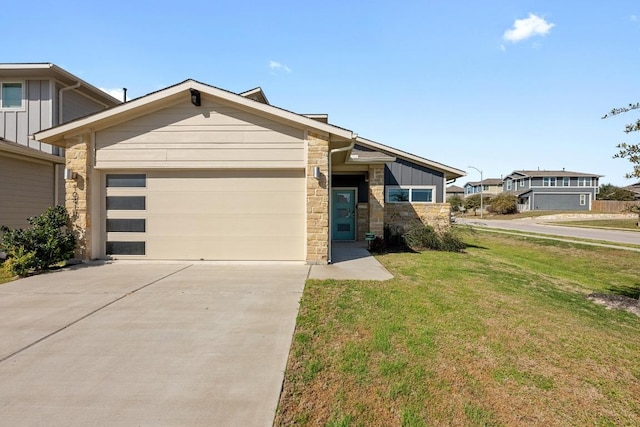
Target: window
[[126, 203], [410, 194], [565, 181], [118, 225], [485, 188], [508, 184], [126, 248], [11, 95], [584, 182], [549, 181], [522, 183], [126, 180], [583, 199]]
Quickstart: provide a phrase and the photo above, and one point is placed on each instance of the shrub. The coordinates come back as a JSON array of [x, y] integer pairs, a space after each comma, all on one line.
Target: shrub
[[46, 243], [423, 237], [20, 262], [393, 237], [452, 243], [503, 204]]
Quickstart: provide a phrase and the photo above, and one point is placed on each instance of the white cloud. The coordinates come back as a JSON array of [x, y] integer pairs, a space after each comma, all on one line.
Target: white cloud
[[277, 66], [527, 28], [116, 93]]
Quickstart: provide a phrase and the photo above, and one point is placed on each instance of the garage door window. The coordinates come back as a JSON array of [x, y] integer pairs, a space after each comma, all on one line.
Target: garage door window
[[121, 180], [122, 225], [126, 248], [126, 203]]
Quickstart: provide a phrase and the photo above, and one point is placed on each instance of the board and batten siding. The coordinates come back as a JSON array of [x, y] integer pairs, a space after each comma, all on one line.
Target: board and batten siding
[[402, 172], [28, 188], [211, 136], [17, 125]]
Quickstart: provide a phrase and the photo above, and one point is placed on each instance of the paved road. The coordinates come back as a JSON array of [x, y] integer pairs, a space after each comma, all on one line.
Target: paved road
[[531, 226]]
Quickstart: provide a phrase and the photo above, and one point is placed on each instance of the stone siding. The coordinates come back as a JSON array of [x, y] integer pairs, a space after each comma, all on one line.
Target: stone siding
[[317, 199], [77, 200], [376, 200], [437, 215], [362, 221]]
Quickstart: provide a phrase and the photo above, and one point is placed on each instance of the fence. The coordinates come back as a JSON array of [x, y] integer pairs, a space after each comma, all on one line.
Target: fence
[[612, 206]]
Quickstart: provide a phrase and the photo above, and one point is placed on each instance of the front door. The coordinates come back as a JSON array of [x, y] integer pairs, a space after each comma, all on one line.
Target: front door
[[344, 215]]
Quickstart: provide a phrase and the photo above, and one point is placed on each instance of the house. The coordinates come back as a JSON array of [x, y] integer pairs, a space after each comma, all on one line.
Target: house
[[454, 190], [488, 187], [196, 172], [552, 190], [35, 97], [635, 189]]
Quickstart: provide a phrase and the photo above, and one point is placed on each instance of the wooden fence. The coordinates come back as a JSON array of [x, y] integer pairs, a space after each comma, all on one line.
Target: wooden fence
[[612, 206]]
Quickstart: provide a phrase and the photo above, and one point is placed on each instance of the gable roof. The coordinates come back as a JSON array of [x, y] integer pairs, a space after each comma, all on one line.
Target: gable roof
[[551, 173], [49, 70], [449, 172], [488, 181], [256, 94], [454, 189], [156, 100]]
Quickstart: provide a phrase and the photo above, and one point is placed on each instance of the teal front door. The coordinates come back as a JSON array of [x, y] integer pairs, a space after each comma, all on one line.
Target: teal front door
[[343, 212]]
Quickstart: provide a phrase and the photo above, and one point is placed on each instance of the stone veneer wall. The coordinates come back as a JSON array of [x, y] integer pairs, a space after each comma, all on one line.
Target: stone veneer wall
[[362, 221], [77, 200], [376, 200], [317, 199], [437, 215]]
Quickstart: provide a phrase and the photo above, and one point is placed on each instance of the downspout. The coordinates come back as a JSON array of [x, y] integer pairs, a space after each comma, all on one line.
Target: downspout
[[354, 136], [61, 97]]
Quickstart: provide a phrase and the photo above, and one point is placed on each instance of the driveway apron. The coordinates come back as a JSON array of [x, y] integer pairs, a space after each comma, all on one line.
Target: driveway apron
[[147, 344]]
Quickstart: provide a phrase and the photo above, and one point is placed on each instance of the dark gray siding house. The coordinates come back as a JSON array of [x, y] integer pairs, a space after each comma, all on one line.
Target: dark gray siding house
[[552, 190], [34, 97]]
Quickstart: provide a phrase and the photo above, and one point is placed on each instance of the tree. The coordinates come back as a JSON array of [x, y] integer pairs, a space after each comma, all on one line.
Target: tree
[[628, 151], [456, 203], [504, 204], [611, 192], [473, 202]]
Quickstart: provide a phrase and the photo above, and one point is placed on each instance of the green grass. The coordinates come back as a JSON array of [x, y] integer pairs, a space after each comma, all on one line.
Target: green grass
[[501, 335], [625, 224]]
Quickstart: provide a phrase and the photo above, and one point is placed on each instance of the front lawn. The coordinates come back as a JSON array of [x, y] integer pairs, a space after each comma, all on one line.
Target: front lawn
[[627, 223], [501, 335]]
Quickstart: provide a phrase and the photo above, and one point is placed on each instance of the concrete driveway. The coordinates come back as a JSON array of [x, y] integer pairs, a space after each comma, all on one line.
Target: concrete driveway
[[129, 344]]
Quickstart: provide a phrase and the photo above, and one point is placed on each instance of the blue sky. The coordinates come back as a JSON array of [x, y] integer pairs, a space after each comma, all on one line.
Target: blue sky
[[499, 85]]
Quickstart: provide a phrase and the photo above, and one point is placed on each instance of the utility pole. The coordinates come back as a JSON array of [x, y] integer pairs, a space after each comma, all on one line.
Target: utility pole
[[481, 189]]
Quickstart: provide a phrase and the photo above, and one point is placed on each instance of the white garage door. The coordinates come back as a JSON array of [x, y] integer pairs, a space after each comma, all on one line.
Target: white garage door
[[209, 215]]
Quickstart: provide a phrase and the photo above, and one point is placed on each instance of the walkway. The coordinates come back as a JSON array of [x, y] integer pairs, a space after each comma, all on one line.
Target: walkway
[[351, 261]]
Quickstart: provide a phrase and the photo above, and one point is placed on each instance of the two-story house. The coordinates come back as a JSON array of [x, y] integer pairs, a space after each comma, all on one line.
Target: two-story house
[[34, 97], [552, 190], [488, 187]]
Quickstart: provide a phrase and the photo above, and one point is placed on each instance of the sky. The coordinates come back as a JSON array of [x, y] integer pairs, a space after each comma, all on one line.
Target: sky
[[499, 85]]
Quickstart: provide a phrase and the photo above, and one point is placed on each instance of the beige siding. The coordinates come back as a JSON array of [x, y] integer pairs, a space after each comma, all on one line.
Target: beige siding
[[219, 215], [27, 189], [211, 136]]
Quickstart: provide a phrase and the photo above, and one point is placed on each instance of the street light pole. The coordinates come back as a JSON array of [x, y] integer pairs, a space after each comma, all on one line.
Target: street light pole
[[481, 188]]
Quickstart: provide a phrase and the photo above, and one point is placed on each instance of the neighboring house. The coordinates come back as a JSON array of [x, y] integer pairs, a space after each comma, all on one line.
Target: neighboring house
[[488, 187], [552, 190], [454, 190], [35, 97], [197, 172], [635, 189]]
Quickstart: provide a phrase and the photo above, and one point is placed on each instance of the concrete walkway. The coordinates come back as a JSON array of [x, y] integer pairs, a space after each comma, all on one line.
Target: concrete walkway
[[147, 344], [351, 261]]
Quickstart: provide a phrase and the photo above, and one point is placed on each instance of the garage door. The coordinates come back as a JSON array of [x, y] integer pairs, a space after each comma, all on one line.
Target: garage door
[[208, 215]]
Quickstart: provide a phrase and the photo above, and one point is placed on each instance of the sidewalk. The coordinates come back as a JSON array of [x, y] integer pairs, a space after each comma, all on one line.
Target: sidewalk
[[351, 261]]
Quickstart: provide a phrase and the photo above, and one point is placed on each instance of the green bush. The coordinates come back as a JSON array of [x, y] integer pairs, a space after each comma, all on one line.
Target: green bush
[[417, 236], [503, 204], [20, 262], [45, 243], [456, 203]]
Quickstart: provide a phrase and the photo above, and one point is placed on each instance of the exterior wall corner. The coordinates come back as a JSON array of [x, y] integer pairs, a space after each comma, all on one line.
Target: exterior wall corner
[[317, 199], [78, 194]]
